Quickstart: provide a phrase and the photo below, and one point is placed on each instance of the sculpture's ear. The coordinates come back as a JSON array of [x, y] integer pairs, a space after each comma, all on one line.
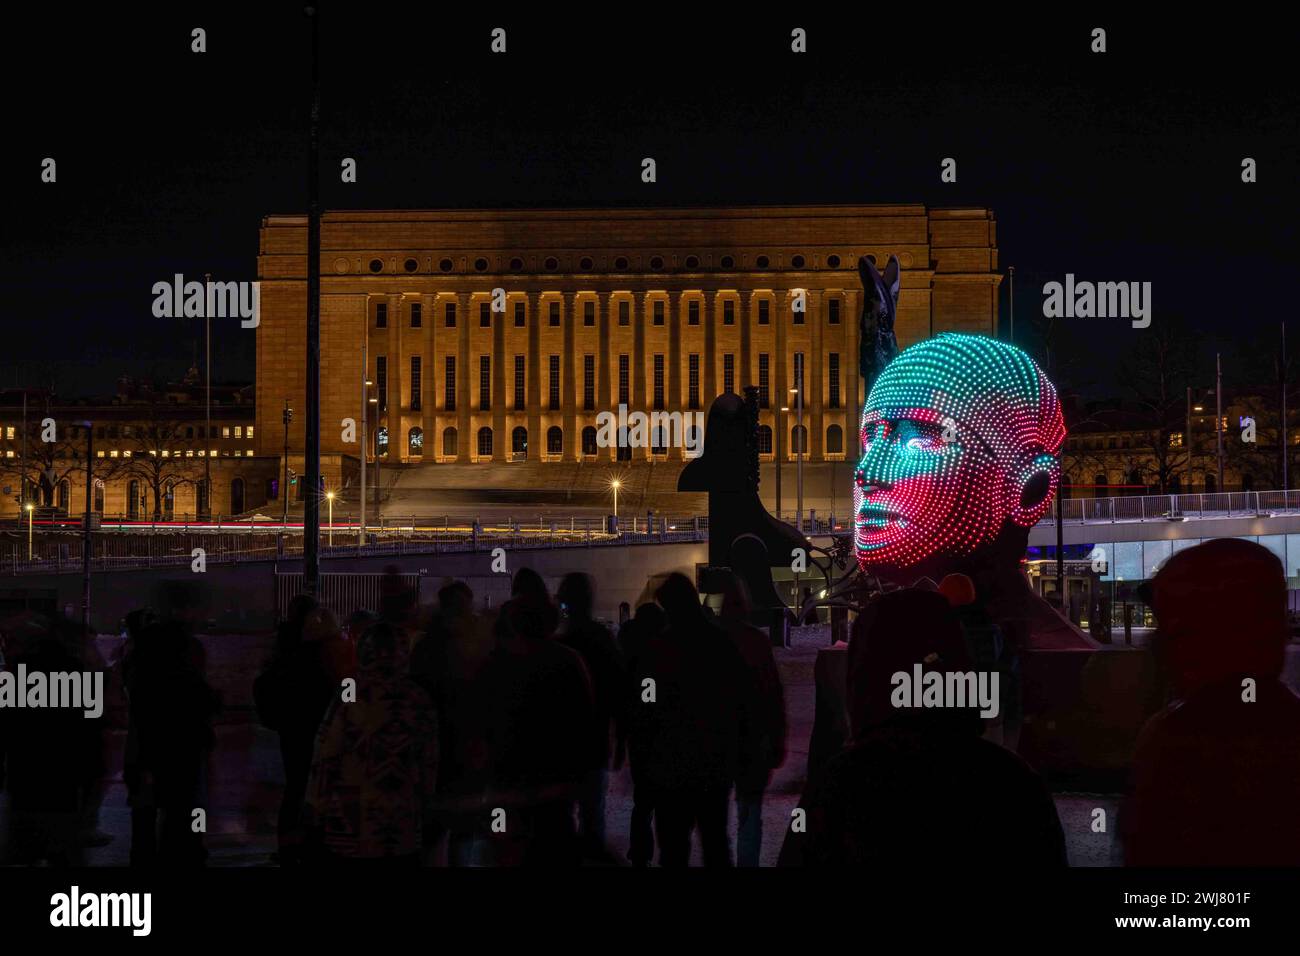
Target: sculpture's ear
[[867, 271], [893, 278]]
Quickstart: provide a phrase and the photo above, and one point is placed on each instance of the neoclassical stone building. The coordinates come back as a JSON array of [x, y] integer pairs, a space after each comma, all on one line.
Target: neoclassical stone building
[[497, 335]]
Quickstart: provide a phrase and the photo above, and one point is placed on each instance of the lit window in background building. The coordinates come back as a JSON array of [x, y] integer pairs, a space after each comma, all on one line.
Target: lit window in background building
[[249, 453], [225, 431]]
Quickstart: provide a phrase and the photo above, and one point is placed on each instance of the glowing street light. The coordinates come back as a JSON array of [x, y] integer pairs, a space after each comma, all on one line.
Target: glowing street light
[[614, 486], [31, 513], [329, 496]]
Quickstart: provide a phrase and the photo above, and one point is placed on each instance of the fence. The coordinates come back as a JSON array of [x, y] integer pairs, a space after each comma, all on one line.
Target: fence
[[1148, 507], [341, 593]]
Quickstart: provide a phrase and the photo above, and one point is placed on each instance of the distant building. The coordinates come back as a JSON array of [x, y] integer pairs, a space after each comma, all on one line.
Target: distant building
[[150, 446]]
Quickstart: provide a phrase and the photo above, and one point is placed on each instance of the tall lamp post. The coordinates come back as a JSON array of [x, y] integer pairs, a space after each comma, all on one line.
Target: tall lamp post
[[207, 378], [31, 513], [365, 418], [375, 402], [329, 496], [287, 417], [780, 432]]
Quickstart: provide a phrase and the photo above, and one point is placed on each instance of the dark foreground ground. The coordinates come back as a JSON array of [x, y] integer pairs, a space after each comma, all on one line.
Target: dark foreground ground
[[246, 777]]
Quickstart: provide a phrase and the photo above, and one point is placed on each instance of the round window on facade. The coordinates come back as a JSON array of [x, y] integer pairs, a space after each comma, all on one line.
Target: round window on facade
[[480, 264], [410, 265], [761, 262], [797, 262], [517, 264], [585, 264], [692, 262], [444, 265], [620, 263], [376, 265], [552, 264], [656, 262], [728, 262], [833, 261]]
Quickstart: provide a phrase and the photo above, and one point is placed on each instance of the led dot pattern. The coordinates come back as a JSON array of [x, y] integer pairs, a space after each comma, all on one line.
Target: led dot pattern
[[955, 435]]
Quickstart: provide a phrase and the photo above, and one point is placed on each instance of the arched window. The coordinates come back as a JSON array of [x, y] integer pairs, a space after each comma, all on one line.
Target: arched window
[[1247, 482], [1211, 485], [133, 499], [201, 497], [485, 442], [415, 442], [765, 439], [237, 496], [835, 440], [449, 442], [99, 495], [65, 495], [519, 442], [589, 446], [1135, 477], [1176, 485], [555, 440], [169, 500], [1099, 479], [381, 440], [799, 440]]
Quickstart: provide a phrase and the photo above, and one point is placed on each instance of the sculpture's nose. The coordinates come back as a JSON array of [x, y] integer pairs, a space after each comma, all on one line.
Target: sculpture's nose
[[868, 485]]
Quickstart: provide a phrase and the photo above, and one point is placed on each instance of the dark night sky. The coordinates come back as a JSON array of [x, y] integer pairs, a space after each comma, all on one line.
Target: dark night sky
[[1123, 166]]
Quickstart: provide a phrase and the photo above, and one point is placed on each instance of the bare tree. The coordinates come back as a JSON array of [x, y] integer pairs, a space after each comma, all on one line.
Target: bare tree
[[1156, 375], [164, 452]]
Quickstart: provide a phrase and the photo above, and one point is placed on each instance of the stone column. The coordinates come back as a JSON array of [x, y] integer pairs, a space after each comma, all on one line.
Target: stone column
[[568, 378], [638, 402], [533, 370], [500, 434], [673, 400], [814, 375], [710, 349], [747, 374], [465, 441]]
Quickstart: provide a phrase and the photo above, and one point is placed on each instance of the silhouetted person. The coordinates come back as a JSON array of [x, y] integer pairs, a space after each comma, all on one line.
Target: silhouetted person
[[446, 662], [171, 711], [1217, 772], [291, 695], [370, 796], [140, 625], [988, 650], [633, 637], [919, 786], [768, 726], [691, 726], [538, 701], [49, 756], [595, 645]]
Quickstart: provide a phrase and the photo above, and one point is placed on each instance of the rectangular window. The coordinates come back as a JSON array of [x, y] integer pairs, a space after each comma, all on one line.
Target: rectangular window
[[729, 313], [764, 312], [248, 432], [415, 383], [764, 368], [659, 383], [554, 384], [728, 373], [834, 314], [624, 312], [381, 383], [451, 315], [835, 379], [484, 382], [798, 375], [417, 315], [449, 384], [693, 313], [693, 382], [381, 316], [239, 431], [589, 313], [659, 312], [589, 383], [622, 380], [519, 315], [555, 313], [519, 381], [485, 315]]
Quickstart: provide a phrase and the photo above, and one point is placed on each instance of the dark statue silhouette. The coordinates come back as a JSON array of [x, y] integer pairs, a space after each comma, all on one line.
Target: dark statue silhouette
[[877, 344]]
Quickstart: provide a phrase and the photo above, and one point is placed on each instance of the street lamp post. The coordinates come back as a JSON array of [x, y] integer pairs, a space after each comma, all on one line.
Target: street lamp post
[[615, 485], [288, 417], [329, 496], [803, 440], [780, 429], [31, 513], [365, 417], [207, 377]]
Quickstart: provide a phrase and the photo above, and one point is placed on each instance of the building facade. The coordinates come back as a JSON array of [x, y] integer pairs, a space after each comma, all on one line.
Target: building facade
[[497, 336]]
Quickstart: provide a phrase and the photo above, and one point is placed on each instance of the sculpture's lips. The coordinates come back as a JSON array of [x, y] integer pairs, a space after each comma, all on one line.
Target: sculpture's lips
[[875, 517]]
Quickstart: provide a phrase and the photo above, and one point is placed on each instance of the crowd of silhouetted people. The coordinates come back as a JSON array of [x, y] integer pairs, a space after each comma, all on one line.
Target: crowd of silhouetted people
[[450, 735]]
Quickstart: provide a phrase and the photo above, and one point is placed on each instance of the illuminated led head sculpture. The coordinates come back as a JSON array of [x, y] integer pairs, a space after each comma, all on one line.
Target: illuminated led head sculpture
[[960, 435]]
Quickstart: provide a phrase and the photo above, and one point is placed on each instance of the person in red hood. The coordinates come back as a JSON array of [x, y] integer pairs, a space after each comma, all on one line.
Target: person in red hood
[[1216, 774]]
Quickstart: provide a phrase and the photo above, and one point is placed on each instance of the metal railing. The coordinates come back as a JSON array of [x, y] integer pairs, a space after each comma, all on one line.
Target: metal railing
[[1225, 504]]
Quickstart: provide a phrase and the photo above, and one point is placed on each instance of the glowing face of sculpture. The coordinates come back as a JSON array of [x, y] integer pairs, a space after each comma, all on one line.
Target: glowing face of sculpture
[[959, 434]]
